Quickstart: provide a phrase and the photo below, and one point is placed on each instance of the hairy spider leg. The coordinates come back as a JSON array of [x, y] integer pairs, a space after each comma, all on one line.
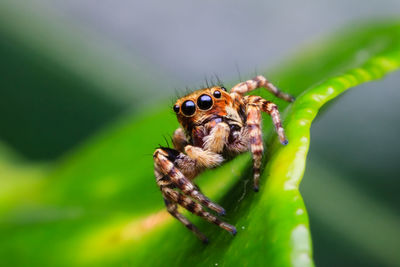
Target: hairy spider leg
[[273, 111], [163, 166], [167, 176], [196, 208], [172, 208], [255, 105], [257, 82], [256, 144]]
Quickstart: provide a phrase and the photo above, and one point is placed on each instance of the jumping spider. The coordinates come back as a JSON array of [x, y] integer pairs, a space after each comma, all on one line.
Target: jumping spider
[[216, 126]]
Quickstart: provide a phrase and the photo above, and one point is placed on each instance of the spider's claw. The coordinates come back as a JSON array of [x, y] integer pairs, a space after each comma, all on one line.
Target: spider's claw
[[217, 208], [234, 231], [196, 231], [284, 142], [255, 188], [222, 212], [228, 227]]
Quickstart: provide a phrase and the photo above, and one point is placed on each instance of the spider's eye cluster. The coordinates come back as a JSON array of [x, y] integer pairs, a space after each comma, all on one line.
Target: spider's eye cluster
[[204, 102]]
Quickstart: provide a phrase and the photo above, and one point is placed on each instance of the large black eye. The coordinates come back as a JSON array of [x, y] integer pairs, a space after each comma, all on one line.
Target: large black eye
[[188, 108], [176, 108], [204, 102], [217, 94]]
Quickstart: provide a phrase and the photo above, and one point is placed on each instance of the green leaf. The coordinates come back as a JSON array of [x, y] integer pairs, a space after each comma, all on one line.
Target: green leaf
[[101, 205]]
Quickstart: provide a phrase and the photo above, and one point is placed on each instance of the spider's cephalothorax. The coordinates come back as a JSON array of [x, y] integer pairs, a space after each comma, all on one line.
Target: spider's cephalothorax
[[216, 126]]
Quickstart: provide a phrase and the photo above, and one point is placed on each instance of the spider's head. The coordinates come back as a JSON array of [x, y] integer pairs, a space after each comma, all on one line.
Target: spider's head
[[195, 108]]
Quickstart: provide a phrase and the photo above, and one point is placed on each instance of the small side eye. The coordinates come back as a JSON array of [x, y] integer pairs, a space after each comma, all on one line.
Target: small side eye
[[188, 108], [223, 88], [176, 108], [204, 102], [217, 94]]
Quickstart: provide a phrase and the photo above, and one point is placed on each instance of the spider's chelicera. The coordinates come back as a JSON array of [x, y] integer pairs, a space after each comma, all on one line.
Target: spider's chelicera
[[216, 126]]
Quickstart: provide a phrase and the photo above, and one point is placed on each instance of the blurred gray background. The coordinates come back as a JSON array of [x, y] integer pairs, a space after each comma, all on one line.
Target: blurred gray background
[[169, 45], [188, 40]]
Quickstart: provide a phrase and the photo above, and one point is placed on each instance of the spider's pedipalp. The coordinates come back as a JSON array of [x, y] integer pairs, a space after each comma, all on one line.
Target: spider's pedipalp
[[217, 138], [204, 158], [257, 82]]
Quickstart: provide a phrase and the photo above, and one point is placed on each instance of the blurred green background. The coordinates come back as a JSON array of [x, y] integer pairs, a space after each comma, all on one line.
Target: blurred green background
[[72, 70]]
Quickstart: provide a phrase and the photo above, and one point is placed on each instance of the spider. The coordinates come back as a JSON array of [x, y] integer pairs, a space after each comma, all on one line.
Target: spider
[[216, 126]]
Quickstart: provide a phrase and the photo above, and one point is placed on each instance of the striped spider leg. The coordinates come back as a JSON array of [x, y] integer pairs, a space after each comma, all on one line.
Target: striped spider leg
[[260, 82], [254, 106]]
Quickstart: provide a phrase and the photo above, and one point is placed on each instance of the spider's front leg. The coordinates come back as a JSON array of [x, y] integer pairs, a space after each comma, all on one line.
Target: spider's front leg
[[257, 82], [255, 105], [167, 165]]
